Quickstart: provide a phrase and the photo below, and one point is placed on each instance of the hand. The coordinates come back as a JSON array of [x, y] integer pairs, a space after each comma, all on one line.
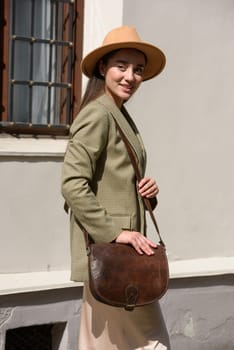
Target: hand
[[141, 244], [148, 187]]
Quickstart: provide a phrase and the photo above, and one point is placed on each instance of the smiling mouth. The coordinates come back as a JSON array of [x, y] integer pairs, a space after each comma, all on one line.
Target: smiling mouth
[[127, 88]]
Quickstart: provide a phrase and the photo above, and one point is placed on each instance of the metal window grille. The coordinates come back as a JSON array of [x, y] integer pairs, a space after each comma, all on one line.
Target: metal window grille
[[29, 338], [42, 99]]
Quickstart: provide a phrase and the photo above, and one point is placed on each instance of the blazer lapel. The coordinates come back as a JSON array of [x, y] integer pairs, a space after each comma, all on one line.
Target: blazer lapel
[[129, 129]]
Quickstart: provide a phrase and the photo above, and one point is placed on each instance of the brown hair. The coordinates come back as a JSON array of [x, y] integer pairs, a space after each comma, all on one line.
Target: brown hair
[[94, 89]]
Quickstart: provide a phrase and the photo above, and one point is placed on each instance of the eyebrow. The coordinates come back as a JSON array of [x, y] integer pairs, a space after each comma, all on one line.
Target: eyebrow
[[126, 62]]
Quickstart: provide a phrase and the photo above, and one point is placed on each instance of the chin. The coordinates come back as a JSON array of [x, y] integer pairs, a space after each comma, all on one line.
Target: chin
[[126, 96]]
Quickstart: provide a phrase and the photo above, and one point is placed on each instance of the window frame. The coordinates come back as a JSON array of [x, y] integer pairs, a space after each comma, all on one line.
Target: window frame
[[76, 79]]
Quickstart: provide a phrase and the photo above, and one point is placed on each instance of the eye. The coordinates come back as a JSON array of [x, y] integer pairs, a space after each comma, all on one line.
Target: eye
[[139, 70], [121, 67]]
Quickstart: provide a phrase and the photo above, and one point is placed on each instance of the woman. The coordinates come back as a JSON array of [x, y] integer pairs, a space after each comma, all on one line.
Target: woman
[[99, 186]]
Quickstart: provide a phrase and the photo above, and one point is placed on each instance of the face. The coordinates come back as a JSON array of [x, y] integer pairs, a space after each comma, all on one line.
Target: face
[[123, 74]]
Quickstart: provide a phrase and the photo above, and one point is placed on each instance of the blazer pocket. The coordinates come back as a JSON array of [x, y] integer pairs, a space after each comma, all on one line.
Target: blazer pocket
[[122, 222]]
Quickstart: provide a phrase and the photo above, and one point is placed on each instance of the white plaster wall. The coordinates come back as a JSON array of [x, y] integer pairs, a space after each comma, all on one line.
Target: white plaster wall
[[34, 229], [186, 118], [100, 18]]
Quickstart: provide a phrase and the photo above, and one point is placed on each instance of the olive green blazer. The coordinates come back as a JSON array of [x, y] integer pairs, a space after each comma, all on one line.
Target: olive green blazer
[[98, 180]]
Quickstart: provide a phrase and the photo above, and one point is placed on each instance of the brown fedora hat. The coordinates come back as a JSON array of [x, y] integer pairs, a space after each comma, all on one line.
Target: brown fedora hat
[[126, 37]]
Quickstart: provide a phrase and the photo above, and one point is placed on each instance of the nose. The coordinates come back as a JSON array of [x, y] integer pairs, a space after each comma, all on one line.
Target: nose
[[129, 74]]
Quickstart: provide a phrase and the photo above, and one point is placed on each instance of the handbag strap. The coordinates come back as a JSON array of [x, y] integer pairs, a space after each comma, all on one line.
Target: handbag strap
[[138, 176]]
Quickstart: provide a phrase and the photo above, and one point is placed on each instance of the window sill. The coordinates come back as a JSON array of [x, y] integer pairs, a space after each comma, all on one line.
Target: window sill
[[35, 281], [28, 146]]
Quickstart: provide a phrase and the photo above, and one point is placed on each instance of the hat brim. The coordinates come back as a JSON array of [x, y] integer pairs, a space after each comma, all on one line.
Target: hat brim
[[156, 59]]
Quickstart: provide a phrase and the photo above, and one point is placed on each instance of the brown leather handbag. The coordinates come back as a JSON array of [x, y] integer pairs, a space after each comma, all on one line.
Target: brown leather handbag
[[118, 275]]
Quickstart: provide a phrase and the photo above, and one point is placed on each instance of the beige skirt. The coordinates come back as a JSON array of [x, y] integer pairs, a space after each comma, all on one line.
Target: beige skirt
[[104, 327]]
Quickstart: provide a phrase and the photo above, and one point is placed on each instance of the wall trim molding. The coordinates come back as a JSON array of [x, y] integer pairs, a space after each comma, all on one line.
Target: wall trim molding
[[37, 281], [27, 146], [212, 266], [14, 283]]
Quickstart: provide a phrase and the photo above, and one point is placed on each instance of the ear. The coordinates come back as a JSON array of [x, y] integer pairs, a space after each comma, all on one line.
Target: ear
[[102, 68]]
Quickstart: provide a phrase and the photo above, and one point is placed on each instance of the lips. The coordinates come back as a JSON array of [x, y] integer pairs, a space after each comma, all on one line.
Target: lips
[[127, 88]]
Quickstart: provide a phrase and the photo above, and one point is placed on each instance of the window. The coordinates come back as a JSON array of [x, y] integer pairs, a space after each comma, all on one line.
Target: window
[[36, 337], [40, 53]]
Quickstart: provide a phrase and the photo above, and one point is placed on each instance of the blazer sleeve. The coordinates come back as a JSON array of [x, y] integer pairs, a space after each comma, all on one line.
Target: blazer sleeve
[[89, 137]]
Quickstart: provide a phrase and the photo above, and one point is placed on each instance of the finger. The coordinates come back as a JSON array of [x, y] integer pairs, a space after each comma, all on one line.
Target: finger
[[151, 192], [138, 249], [150, 195], [144, 245], [147, 250], [136, 246], [143, 181], [148, 192], [140, 243], [148, 186]]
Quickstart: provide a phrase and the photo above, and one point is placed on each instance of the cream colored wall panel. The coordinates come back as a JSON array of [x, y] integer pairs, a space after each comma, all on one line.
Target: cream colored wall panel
[[186, 118]]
